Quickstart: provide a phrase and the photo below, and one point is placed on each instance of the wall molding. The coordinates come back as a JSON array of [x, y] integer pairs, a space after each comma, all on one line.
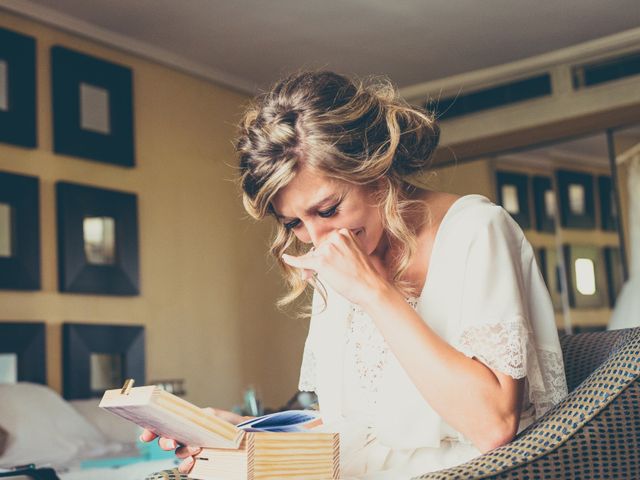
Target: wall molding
[[619, 43], [126, 44]]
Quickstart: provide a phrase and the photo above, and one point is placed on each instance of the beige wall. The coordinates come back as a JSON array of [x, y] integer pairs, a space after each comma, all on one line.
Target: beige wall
[[208, 295]]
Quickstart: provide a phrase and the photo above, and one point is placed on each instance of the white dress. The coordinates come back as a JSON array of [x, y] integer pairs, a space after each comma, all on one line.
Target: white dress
[[485, 296]]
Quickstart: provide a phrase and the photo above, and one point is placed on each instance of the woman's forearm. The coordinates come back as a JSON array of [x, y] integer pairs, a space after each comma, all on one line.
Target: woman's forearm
[[465, 392]]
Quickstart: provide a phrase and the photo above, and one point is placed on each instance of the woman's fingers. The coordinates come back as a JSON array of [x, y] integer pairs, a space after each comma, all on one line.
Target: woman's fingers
[[186, 451], [167, 443], [147, 435], [186, 465], [304, 261]]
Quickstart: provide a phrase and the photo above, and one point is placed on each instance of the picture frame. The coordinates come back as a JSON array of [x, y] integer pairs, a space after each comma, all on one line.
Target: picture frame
[[19, 232], [109, 263], [92, 108], [614, 273], [545, 205], [549, 265], [575, 190], [513, 195], [18, 89], [608, 213], [23, 346], [86, 346], [585, 276]]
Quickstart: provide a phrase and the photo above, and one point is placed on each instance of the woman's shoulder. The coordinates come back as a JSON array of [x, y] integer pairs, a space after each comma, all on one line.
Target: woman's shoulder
[[466, 219]]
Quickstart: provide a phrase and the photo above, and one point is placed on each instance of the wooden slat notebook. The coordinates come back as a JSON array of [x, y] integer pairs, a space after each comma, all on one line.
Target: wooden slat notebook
[[229, 452]]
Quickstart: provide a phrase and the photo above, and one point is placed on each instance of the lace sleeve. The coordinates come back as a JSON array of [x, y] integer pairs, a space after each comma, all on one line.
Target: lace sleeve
[[307, 381], [508, 347], [506, 317]]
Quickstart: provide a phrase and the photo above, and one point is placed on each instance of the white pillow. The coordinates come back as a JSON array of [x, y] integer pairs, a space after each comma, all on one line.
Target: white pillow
[[43, 428], [114, 428]]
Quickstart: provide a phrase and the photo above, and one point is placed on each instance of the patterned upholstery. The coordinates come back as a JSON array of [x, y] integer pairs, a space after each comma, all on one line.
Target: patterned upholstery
[[593, 434], [167, 475]]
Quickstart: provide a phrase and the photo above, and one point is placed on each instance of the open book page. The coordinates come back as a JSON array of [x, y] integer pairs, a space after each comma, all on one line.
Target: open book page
[[287, 421]]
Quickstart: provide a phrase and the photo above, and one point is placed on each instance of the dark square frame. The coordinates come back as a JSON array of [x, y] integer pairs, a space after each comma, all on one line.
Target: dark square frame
[[576, 299], [80, 340], [550, 269], [568, 219], [75, 202], [615, 278], [21, 271], [18, 124], [69, 68], [521, 182], [608, 217], [28, 341], [544, 223]]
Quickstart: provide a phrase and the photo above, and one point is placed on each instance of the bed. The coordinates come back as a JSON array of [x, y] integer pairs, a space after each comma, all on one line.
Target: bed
[[72, 435]]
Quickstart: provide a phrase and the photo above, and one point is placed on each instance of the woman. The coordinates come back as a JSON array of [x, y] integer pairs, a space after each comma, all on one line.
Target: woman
[[432, 335]]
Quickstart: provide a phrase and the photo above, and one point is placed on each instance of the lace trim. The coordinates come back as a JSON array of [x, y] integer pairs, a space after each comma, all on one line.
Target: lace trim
[[365, 347], [508, 348], [368, 351], [307, 381]]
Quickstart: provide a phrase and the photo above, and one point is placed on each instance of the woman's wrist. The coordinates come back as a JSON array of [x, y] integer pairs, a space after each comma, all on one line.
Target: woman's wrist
[[379, 296]]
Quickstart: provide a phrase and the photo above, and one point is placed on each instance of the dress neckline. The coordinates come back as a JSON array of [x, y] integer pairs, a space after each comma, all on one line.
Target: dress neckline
[[448, 214]]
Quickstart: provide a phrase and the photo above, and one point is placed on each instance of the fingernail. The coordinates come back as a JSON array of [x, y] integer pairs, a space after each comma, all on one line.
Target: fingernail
[[193, 450], [174, 444]]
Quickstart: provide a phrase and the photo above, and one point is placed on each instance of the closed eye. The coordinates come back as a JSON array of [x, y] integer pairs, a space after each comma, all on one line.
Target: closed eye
[[291, 225], [328, 213]]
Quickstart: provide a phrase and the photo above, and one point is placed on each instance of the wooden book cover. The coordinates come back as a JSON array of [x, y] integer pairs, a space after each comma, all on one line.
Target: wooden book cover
[[229, 452]]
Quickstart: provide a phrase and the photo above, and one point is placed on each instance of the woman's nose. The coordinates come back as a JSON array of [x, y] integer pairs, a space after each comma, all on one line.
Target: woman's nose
[[317, 232]]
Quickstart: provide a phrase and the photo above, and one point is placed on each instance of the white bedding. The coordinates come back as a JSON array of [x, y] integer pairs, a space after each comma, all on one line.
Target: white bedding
[[48, 431], [136, 471]]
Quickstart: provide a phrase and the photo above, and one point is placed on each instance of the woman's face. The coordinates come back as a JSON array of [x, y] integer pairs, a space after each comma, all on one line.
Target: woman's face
[[312, 206]]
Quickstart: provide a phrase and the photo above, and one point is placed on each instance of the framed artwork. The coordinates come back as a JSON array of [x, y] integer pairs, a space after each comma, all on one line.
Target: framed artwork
[[92, 108], [23, 356], [544, 200], [19, 232], [586, 276], [576, 199], [615, 277], [550, 269], [17, 89], [100, 357], [97, 240], [608, 213], [513, 195]]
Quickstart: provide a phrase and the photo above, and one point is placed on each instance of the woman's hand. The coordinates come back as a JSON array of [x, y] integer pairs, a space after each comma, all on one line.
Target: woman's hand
[[340, 261], [185, 452]]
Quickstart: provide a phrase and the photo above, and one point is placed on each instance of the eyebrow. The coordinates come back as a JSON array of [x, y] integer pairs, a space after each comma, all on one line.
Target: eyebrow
[[312, 209]]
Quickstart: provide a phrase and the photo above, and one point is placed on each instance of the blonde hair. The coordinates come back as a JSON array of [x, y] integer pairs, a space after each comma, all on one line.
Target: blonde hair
[[359, 133]]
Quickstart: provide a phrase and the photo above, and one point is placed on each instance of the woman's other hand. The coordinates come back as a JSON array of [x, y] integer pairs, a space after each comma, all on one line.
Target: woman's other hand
[[185, 452], [340, 261]]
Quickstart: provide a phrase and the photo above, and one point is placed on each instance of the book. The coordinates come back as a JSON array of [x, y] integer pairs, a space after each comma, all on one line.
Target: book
[[275, 446]]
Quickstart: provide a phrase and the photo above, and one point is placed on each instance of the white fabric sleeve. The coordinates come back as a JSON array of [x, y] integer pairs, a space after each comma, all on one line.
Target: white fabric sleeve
[[507, 321], [308, 368]]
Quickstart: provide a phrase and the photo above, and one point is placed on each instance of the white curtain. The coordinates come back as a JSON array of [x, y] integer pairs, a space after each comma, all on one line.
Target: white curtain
[[627, 310]]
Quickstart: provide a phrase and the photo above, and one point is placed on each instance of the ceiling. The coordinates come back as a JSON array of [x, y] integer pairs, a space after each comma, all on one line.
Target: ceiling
[[248, 44]]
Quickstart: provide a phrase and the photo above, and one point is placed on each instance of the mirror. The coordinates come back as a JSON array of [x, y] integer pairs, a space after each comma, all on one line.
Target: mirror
[[8, 368], [106, 371], [563, 196], [4, 86], [94, 109], [6, 230], [99, 240]]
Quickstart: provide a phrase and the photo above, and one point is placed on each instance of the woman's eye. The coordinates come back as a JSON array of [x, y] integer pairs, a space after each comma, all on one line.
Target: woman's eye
[[328, 213], [292, 225]]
